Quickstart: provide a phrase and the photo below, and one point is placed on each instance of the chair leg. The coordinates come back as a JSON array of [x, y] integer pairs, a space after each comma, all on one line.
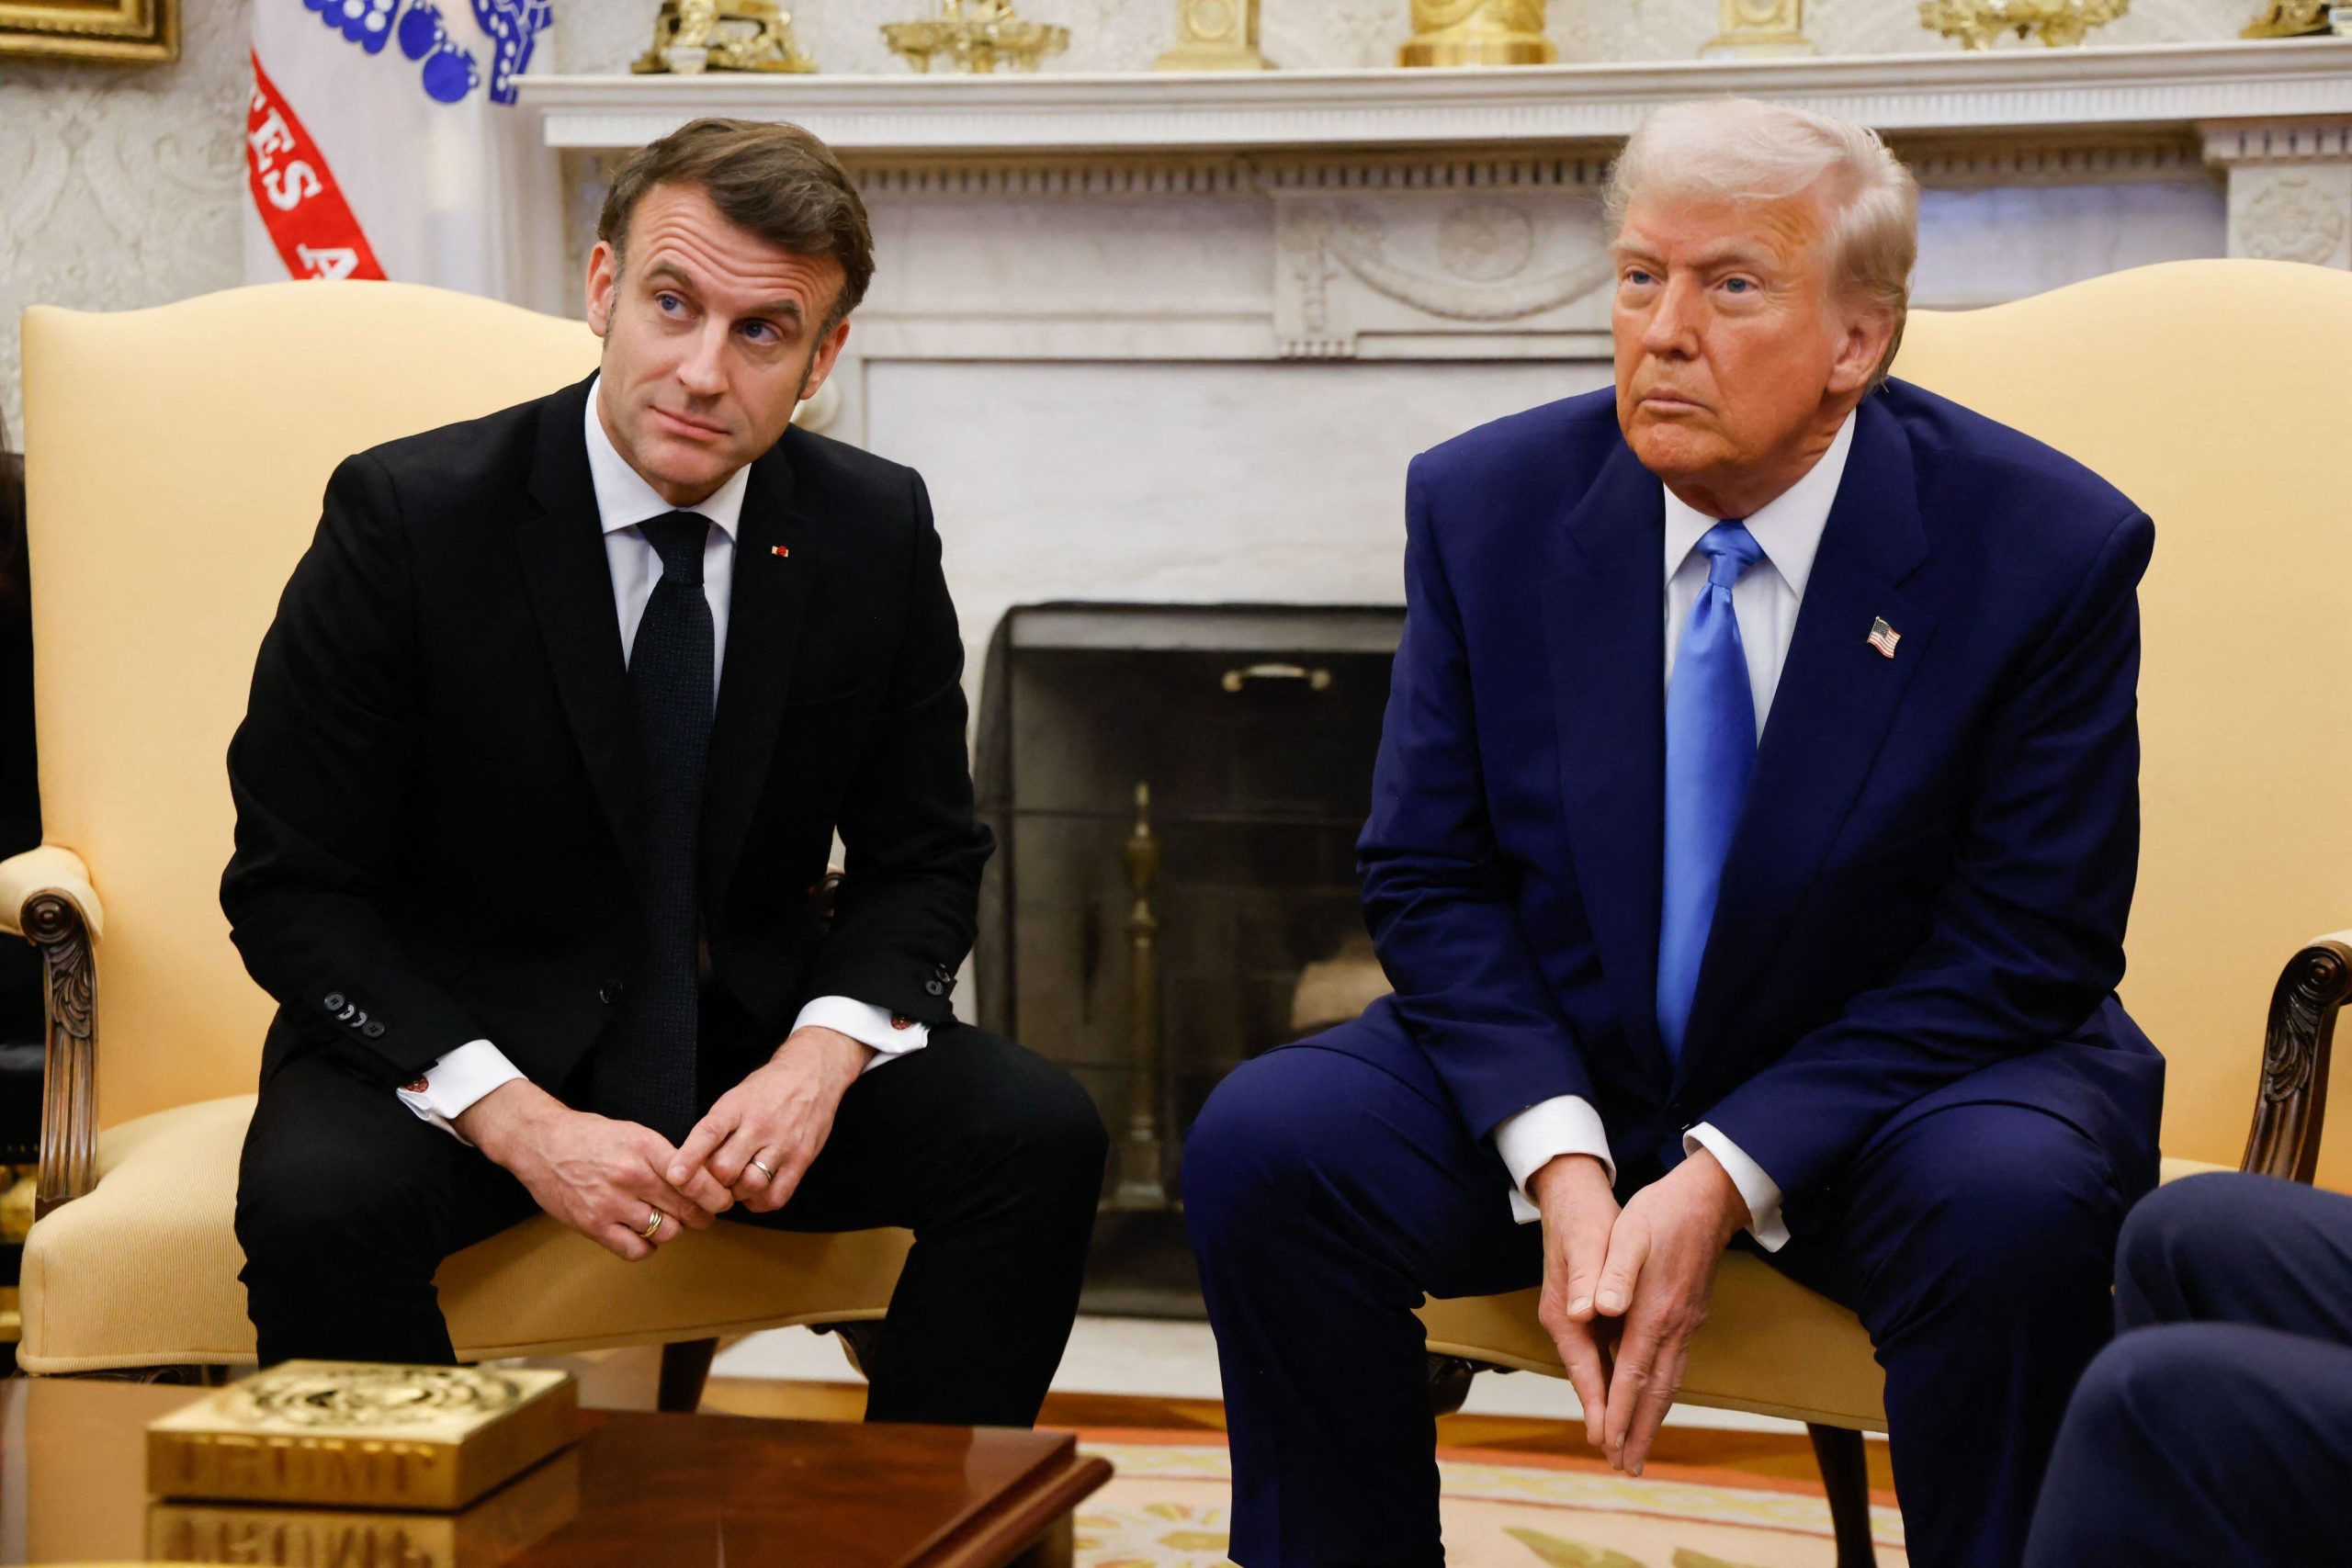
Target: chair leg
[[1450, 1383], [685, 1367], [1846, 1477]]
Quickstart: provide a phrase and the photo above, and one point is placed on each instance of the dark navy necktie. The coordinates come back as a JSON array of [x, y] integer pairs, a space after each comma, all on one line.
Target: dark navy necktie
[[1710, 752], [645, 1067]]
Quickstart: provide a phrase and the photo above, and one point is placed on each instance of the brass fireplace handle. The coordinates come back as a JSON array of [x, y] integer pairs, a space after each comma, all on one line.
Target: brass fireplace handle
[[1317, 680]]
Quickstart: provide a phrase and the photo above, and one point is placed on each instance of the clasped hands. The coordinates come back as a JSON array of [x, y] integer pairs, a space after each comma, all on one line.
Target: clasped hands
[[607, 1178], [1648, 1269]]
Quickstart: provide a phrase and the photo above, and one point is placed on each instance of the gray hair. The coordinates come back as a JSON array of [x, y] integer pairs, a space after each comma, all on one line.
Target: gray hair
[[1747, 150]]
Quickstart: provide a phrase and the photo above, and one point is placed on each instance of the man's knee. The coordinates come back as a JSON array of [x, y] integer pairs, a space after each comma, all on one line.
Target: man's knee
[[1279, 1128], [302, 1200], [1042, 1122], [2188, 1237], [2027, 1217]]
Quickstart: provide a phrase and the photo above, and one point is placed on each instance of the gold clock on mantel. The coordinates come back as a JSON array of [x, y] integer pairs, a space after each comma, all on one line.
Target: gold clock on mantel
[[1477, 32]]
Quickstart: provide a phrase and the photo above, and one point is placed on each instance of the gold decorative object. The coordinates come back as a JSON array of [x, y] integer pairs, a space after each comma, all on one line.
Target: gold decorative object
[[1477, 32], [2288, 18], [2060, 23], [975, 35], [1214, 35], [1141, 1183], [111, 33], [694, 36], [1754, 29], [359, 1433]]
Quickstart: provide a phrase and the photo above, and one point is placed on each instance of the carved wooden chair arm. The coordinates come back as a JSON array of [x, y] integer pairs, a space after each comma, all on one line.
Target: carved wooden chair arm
[[46, 897], [2284, 1141]]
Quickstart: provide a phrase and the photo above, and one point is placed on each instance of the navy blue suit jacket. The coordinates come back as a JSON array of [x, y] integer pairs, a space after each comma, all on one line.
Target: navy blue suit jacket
[[1924, 901]]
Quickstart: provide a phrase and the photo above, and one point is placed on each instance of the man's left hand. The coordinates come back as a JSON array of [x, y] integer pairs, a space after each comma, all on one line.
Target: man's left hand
[[1662, 1256], [759, 1139]]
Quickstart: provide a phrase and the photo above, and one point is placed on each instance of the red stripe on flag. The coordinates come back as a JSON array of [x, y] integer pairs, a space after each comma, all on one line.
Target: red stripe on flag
[[294, 191]]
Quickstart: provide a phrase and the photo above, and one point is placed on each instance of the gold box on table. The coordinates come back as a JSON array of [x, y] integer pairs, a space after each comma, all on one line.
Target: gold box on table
[[362, 1434]]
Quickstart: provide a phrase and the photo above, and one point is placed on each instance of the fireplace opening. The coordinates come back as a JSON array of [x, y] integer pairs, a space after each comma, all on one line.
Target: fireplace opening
[[1177, 792]]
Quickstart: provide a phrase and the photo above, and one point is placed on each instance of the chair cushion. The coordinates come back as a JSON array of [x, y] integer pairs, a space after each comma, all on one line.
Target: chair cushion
[[1768, 1346], [143, 1270]]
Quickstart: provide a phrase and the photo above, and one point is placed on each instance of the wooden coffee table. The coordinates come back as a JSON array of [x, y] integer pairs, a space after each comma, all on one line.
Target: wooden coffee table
[[720, 1489]]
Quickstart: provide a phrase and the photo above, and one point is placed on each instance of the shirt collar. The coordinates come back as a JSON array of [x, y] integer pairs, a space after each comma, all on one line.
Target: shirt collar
[[624, 499], [1788, 527]]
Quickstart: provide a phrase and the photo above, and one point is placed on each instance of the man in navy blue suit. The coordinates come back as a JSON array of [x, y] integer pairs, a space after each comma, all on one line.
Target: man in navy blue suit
[[1754, 828]]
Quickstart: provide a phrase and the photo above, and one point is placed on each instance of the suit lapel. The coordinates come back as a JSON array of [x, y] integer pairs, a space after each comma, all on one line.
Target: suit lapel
[[1837, 696], [570, 590], [766, 611], [1605, 633]]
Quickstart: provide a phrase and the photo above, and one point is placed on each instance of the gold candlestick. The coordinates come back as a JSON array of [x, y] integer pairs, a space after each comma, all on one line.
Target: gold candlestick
[[1214, 35], [1477, 32], [975, 36], [1759, 30]]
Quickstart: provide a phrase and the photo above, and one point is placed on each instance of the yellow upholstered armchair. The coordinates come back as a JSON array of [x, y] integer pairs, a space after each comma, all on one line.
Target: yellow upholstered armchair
[[176, 458], [2212, 393]]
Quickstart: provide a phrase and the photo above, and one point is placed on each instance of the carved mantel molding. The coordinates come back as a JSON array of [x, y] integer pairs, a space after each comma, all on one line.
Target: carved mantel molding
[[2061, 92]]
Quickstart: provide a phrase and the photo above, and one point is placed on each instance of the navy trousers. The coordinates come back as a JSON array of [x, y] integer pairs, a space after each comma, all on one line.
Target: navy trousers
[[2218, 1427], [1329, 1184]]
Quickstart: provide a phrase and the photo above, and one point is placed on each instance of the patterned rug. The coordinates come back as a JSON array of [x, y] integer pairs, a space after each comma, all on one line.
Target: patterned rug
[[1166, 1508]]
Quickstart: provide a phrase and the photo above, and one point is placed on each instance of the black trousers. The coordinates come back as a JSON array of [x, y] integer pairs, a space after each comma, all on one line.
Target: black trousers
[[2218, 1427], [347, 1203]]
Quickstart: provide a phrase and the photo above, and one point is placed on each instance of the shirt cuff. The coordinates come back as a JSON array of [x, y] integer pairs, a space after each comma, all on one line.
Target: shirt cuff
[[1564, 1125], [1761, 1193], [890, 1036], [455, 1082]]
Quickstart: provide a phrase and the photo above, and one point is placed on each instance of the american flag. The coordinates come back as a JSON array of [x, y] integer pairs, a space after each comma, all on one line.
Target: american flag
[[1883, 637]]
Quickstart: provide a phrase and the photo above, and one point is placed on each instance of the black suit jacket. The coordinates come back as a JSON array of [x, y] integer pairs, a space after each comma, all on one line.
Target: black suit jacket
[[437, 813]]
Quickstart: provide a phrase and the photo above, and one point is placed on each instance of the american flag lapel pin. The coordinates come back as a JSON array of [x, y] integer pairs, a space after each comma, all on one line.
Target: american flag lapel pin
[[1883, 637]]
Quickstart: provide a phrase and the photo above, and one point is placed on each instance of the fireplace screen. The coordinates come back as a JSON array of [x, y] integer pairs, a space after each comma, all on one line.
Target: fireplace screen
[[1177, 791]]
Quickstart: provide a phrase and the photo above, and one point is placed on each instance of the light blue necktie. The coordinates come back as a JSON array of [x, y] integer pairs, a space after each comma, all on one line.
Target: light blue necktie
[[1710, 751]]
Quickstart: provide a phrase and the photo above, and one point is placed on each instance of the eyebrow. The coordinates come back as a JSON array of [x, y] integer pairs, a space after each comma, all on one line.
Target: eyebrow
[[787, 308], [1735, 253]]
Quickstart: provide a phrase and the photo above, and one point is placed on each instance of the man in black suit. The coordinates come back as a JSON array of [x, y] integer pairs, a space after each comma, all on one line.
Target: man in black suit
[[544, 759]]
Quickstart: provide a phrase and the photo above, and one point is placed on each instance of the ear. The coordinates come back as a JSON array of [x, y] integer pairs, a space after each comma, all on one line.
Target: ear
[[1868, 331], [603, 280], [829, 354]]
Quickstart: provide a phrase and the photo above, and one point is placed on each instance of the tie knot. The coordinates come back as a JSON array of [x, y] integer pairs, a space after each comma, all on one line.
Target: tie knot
[[678, 538], [1730, 550]]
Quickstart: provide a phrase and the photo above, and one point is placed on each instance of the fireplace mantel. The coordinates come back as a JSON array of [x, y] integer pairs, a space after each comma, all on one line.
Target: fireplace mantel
[[2178, 86]]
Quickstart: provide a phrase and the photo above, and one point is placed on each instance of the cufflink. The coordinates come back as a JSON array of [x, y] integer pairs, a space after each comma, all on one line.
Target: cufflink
[[899, 1022], [416, 1087]]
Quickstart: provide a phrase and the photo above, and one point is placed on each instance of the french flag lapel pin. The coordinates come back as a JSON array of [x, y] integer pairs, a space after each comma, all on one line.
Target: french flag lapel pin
[[1883, 637]]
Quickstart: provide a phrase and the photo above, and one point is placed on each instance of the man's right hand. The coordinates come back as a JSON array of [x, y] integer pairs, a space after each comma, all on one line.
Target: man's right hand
[[1578, 1211], [603, 1178]]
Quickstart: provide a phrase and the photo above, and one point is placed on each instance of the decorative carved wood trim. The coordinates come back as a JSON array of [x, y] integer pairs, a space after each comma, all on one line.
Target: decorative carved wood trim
[[2284, 1141], [69, 1115]]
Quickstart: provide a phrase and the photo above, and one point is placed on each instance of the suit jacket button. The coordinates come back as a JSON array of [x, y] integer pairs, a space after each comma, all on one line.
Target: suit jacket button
[[934, 988], [335, 1002], [373, 1030], [609, 992]]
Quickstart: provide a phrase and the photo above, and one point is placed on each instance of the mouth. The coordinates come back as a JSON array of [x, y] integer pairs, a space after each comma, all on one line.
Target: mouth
[[1667, 403], [692, 429]]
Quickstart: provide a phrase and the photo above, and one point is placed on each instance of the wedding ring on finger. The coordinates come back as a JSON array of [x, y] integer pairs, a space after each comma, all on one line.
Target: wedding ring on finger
[[654, 1226], [763, 1167]]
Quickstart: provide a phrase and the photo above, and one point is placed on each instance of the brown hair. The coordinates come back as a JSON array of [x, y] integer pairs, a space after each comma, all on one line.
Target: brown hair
[[777, 181]]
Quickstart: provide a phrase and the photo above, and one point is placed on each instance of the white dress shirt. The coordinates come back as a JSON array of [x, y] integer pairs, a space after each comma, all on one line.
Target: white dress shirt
[[623, 500], [1788, 528]]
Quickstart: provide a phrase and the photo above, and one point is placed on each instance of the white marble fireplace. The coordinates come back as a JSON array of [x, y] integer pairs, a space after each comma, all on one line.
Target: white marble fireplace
[[1173, 338]]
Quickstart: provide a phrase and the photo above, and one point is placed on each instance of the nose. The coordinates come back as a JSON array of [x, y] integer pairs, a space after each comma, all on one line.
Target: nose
[[1673, 324], [700, 371]]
